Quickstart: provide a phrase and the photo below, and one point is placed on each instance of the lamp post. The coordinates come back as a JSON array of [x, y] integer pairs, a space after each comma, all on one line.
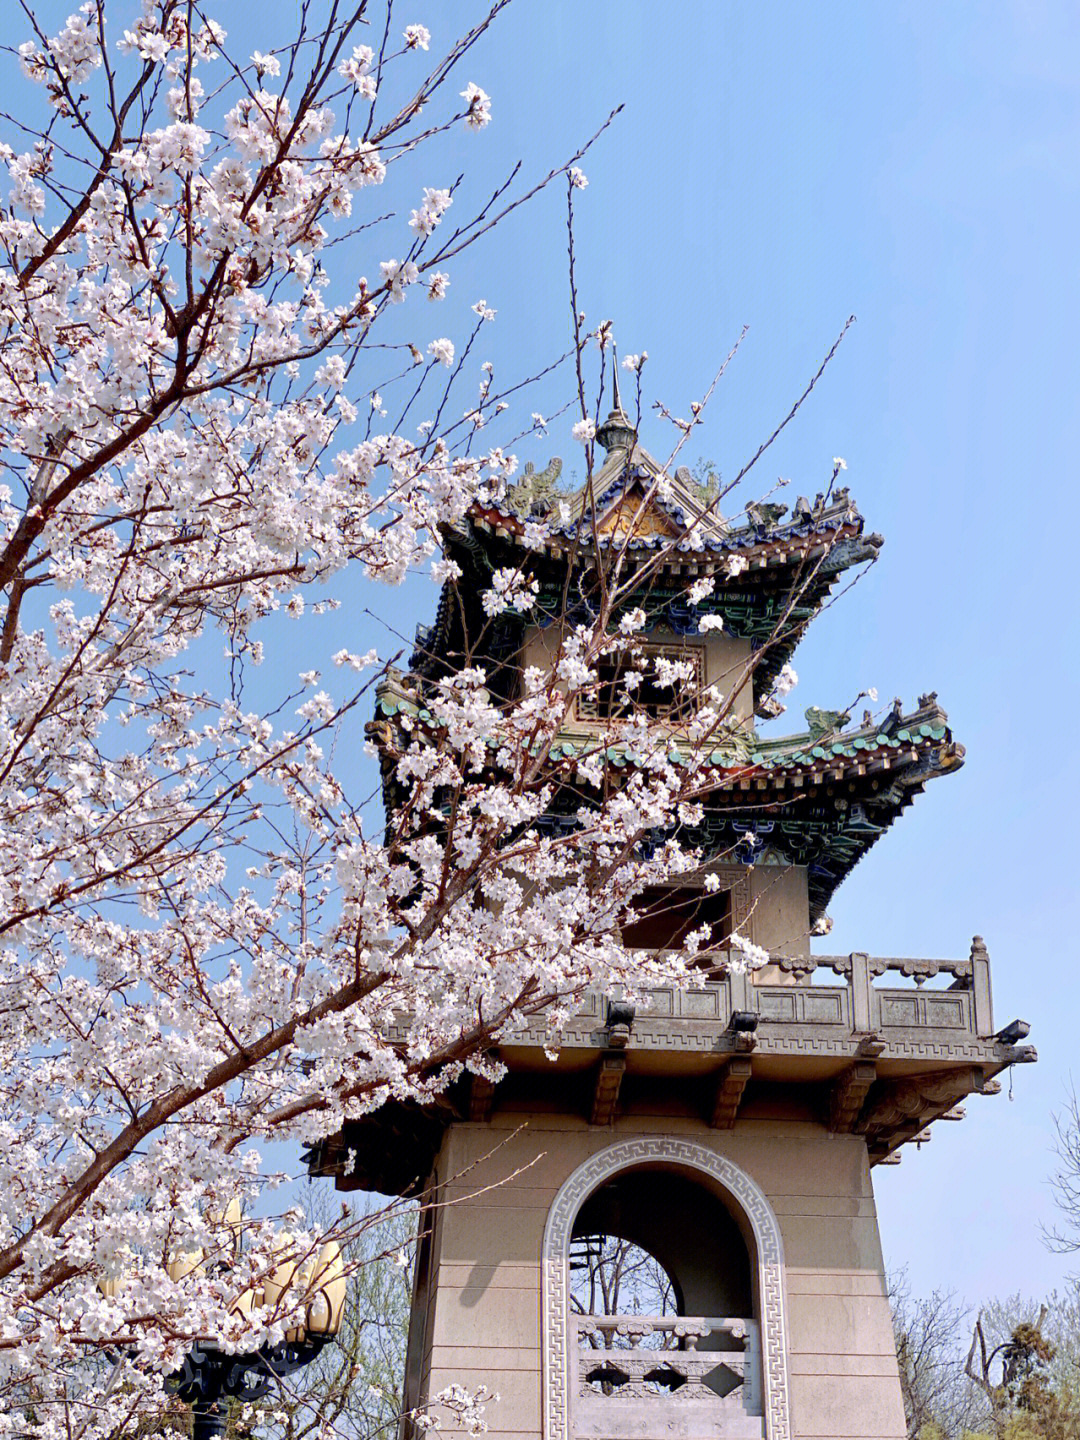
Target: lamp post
[[209, 1377]]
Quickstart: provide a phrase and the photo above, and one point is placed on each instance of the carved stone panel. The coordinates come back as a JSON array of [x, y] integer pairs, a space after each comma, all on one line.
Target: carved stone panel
[[803, 1004], [629, 1387]]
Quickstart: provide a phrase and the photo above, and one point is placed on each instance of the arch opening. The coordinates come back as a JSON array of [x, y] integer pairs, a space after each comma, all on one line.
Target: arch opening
[[709, 1241], [657, 1241]]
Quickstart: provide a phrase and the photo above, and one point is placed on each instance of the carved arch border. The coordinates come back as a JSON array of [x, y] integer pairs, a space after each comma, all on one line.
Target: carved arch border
[[556, 1270]]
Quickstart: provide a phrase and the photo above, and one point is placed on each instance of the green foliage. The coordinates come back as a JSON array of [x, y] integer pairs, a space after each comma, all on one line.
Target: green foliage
[[1012, 1374], [1037, 1396]]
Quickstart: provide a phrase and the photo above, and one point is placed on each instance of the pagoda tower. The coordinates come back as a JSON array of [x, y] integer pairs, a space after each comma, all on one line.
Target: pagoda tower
[[718, 1142]]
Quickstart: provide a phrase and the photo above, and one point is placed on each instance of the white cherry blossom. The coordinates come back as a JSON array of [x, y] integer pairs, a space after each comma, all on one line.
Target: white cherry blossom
[[434, 206], [479, 106], [442, 351]]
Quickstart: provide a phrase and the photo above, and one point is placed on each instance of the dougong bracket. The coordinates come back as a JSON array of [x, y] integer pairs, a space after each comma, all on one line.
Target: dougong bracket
[[729, 1092], [848, 1094], [606, 1089]]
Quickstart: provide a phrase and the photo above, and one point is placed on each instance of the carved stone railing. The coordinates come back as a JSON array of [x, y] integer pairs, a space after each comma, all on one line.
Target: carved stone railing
[[783, 1009], [801, 967], [964, 1005], [640, 1376], [787, 994]]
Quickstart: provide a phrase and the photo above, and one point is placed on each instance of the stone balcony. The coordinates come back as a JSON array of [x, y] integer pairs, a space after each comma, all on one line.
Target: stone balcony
[[795, 1011], [874, 1046], [887, 1047]]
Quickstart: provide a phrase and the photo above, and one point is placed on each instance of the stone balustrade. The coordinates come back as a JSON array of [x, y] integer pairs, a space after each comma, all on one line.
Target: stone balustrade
[[794, 1009], [963, 1006], [639, 1376]]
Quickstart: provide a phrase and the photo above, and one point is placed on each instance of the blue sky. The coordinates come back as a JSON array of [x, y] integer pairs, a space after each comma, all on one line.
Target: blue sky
[[785, 165]]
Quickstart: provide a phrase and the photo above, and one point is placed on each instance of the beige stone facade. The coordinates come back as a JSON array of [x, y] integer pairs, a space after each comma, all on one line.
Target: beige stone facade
[[731, 1152], [488, 1316], [729, 1130]]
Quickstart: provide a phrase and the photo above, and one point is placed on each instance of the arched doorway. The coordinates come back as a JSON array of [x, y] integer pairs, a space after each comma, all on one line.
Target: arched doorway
[[685, 1229]]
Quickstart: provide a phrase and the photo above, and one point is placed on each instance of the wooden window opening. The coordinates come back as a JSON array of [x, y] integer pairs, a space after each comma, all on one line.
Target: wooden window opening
[[659, 702], [666, 914]]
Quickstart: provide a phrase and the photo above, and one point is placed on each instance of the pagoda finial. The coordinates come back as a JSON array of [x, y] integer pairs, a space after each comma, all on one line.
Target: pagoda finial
[[616, 433], [616, 398]]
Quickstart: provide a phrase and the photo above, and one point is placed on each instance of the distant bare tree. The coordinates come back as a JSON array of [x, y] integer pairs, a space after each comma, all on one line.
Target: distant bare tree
[[1065, 1180], [931, 1332], [612, 1276]]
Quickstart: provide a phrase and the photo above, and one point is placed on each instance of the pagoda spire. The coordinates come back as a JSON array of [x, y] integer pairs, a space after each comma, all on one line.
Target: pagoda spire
[[615, 396], [617, 433]]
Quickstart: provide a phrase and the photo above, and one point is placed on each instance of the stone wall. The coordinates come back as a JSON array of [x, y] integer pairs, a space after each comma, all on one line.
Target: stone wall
[[486, 1322]]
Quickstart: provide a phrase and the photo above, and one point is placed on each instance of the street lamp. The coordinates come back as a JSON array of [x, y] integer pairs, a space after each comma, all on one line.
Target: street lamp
[[209, 1377]]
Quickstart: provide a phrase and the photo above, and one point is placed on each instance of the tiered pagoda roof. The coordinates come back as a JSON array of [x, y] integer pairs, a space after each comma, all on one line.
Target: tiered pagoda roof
[[773, 574], [882, 1061], [819, 798]]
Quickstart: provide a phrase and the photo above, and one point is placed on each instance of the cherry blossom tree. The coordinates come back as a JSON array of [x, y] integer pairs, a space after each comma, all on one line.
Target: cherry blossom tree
[[201, 940]]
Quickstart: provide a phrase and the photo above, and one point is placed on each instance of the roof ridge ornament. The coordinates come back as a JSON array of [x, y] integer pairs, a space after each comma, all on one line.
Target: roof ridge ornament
[[617, 433]]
